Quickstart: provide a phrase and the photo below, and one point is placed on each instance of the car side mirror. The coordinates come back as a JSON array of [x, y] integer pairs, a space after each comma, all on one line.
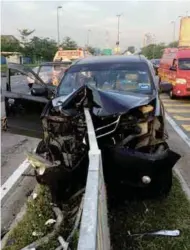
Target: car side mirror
[[39, 92], [173, 68]]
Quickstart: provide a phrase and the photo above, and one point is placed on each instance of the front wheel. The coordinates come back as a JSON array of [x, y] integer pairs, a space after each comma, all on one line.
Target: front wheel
[[171, 95]]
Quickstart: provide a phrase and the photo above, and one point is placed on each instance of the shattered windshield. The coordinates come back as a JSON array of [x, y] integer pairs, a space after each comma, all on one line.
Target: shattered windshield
[[122, 77]]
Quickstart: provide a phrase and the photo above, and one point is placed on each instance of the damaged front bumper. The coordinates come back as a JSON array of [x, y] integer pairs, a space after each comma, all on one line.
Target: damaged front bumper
[[137, 168]]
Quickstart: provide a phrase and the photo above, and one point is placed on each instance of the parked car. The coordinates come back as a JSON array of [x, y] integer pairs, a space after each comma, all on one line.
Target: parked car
[[174, 72], [128, 116]]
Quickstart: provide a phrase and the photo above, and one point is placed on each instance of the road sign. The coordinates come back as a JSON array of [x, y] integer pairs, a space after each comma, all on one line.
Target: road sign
[[107, 52]]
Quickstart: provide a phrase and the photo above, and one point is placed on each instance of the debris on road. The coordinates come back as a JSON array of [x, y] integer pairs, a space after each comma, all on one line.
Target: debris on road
[[126, 217], [42, 214], [50, 221], [34, 196], [172, 233], [37, 233]]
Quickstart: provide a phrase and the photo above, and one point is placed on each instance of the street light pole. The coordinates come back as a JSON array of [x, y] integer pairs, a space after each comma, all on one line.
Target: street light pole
[[174, 23], [118, 32], [88, 37], [58, 36]]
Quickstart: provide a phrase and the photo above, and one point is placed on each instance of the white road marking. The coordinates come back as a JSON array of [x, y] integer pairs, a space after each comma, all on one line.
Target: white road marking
[[178, 129], [2, 109], [14, 178]]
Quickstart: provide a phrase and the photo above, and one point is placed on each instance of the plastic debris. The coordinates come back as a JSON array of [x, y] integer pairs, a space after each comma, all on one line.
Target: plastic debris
[[63, 243], [172, 233], [50, 221], [37, 233], [34, 196]]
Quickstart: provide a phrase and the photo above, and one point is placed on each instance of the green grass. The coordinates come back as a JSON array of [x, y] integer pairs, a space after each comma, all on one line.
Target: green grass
[[38, 212], [138, 217]]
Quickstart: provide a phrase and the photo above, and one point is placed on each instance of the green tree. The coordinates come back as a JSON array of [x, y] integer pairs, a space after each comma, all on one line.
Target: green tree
[[41, 49], [69, 44], [153, 50], [25, 44], [173, 44], [25, 33], [91, 50], [9, 45], [131, 49]]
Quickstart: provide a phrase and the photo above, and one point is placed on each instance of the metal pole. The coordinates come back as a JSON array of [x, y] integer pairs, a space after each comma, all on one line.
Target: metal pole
[[88, 37], [154, 45], [118, 26], [58, 36], [118, 31], [174, 32]]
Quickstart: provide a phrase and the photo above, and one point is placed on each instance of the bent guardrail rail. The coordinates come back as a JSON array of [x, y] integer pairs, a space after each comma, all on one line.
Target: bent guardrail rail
[[94, 230]]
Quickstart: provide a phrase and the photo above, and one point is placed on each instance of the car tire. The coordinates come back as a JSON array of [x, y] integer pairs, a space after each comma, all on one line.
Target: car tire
[[171, 95], [159, 82]]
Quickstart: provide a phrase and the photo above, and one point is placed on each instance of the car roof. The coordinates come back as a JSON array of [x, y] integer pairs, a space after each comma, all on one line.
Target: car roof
[[111, 59], [54, 63]]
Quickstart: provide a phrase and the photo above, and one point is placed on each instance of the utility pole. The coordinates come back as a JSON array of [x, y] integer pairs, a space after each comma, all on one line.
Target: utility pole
[[118, 31], [107, 39], [154, 45], [174, 23], [58, 36], [88, 37]]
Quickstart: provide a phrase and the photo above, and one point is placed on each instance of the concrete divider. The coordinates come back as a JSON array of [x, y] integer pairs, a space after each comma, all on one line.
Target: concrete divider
[[94, 230]]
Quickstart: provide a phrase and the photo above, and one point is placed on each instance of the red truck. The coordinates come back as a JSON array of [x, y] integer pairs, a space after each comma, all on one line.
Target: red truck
[[174, 69], [174, 72]]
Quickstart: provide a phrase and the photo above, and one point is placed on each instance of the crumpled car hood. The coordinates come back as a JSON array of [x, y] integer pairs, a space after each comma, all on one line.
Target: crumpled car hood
[[108, 102], [118, 102]]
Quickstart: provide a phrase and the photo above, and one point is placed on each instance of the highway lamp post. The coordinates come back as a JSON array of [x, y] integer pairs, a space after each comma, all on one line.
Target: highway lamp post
[[88, 37], [174, 24], [118, 32], [58, 35], [154, 45]]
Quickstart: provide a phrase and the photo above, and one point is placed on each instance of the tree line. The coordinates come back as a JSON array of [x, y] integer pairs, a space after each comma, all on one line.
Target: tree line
[[156, 50], [38, 49]]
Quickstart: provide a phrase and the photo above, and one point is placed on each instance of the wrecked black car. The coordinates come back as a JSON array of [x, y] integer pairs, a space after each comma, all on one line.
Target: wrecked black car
[[128, 118]]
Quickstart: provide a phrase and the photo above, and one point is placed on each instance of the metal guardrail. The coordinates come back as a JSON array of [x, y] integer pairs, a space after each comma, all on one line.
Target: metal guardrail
[[94, 230]]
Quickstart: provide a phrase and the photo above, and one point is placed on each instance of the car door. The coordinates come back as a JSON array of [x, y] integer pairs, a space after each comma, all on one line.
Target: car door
[[23, 106]]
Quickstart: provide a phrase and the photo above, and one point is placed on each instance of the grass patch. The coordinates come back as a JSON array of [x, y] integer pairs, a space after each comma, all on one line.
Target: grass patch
[[143, 216], [38, 212]]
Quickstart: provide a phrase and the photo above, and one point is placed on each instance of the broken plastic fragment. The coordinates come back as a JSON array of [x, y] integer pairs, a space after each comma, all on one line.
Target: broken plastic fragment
[[34, 196], [63, 243], [172, 233], [50, 221], [37, 234], [167, 233]]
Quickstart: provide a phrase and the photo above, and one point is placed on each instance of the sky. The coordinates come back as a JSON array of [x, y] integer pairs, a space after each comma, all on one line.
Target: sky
[[77, 17]]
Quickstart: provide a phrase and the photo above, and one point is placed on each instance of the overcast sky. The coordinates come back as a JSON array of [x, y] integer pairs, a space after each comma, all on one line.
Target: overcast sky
[[76, 17]]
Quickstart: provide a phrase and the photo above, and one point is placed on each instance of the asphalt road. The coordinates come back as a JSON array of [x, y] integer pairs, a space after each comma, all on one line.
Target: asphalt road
[[179, 110], [13, 148]]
